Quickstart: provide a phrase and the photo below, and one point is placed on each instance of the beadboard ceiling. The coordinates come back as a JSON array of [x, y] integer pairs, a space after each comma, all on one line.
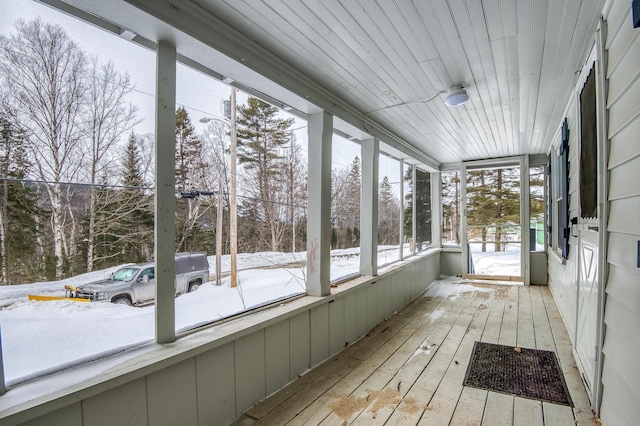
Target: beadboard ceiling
[[393, 61]]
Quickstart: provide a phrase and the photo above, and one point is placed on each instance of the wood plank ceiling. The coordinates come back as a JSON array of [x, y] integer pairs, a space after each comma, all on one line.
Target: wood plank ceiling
[[395, 59]]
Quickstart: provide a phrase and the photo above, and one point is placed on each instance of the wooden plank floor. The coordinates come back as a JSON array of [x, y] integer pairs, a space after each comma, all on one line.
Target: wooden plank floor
[[409, 369]]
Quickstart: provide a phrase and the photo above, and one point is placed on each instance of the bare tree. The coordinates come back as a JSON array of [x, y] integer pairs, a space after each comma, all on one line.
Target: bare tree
[[145, 144], [296, 184], [43, 70], [345, 200], [216, 140], [107, 119]]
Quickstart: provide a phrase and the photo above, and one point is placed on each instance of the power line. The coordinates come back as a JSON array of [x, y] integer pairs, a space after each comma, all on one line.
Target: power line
[[184, 193]]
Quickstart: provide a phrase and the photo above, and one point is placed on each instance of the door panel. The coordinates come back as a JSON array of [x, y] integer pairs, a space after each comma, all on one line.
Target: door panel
[[587, 304]]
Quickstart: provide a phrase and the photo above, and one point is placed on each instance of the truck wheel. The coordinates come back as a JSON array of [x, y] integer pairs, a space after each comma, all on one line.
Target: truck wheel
[[122, 301], [194, 285]]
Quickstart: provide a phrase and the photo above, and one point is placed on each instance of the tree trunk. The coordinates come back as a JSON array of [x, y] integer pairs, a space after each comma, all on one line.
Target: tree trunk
[[457, 209], [92, 229], [484, 230], [4, 219], [57, 227], [219, 236], [499, 210]]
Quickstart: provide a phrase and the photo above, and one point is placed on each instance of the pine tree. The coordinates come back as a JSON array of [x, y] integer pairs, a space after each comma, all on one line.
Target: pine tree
[[124, 217], [262, 137], [450, 207], [334, 239], [139, 220], [353, 192], [493, 198], [189, 164], [388, 214], [407, 214], [423, 209], [18, 210]]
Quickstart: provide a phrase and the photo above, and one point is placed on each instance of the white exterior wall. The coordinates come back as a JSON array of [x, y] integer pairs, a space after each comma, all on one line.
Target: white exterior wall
[[562, 274], [621, 370], [620, 403], [214, 383]]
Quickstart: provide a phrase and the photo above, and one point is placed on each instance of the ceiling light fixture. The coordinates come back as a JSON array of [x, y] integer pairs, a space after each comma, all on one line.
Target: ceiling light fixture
[[456, 97]]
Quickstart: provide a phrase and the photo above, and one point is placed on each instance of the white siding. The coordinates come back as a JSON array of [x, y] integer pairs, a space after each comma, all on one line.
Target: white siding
[[219, 382], [562, 277], [621, 373]]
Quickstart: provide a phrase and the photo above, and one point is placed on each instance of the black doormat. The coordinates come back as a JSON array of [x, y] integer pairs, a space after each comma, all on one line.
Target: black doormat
[[529, 373]]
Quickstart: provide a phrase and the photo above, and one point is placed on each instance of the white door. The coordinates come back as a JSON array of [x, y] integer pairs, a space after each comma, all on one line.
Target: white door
[[587, 303]]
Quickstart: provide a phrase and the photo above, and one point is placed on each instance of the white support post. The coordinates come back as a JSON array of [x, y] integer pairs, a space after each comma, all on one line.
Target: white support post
[[525, 219], [370, 150], [436, 210], [3, 387], [463, 219], [320, 130], [414, 231], [165, 200], [401, 224]]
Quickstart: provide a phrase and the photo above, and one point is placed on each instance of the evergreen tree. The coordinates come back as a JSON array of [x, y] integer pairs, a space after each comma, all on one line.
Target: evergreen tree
[[493, 201], [262, 137], [334, 238], [189, 164], [19, 212], [139, 219], [407, 216], [353, 192], [348, 238], [388, 214], [108, 226], [124, 217], [450, 207], [423, 209]]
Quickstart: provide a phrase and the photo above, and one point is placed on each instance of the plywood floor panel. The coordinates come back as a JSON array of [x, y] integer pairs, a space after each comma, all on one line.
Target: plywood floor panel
[[409, 369]]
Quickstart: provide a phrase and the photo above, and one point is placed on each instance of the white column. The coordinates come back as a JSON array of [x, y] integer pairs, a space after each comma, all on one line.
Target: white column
[[320, 130], [463, 219], [413, 208], [2, 385], [370, 150], [436, 210], [165, 200], [401, 224], [525, 220]]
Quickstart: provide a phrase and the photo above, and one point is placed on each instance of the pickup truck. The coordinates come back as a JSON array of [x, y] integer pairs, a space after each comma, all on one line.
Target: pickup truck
[[136, 284]]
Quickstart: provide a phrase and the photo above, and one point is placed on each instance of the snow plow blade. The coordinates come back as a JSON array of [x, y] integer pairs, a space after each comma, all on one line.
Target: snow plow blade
[[49, 298]]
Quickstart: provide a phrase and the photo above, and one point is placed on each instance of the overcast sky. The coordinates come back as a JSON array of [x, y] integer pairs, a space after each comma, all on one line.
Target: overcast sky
[[199, 94]]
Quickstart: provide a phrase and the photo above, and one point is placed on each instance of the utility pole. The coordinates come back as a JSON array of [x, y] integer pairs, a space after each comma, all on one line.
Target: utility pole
[[219, 235], [233, 211], [291, 199]]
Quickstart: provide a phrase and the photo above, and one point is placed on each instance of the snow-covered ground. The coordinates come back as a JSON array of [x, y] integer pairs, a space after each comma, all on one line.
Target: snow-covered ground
[[42, 337], [496, 263]]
